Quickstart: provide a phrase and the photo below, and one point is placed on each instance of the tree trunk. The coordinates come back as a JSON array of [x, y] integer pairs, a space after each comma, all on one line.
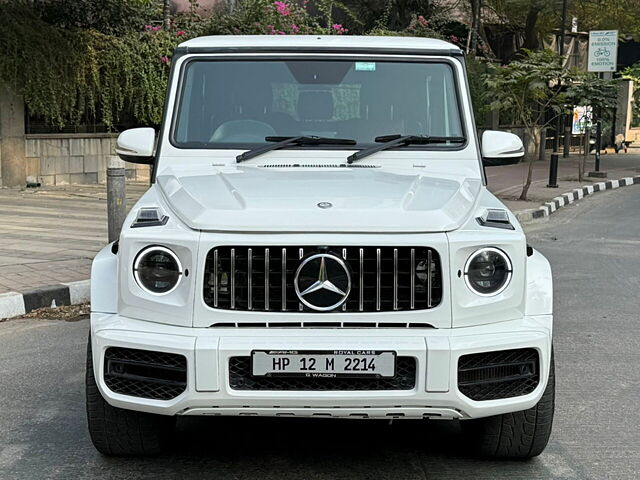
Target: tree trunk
[[166, 14], [531, 158], [472, 39], [531, 28]]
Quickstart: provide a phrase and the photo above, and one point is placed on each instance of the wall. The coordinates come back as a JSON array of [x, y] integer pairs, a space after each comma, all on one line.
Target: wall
[[62, 159]]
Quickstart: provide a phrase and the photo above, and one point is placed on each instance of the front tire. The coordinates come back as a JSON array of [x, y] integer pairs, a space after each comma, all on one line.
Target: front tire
[[520, 435], [119, 432]]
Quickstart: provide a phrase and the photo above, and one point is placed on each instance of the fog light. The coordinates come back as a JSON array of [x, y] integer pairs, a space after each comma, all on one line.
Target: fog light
[[157, 270]]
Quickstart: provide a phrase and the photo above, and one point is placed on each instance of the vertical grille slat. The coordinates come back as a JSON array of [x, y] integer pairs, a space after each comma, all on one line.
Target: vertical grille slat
[[429, 285], [383, 279], [413, 279], [284, 279], [361, 278], [215, 278], [233, 278], [266, 278], [250, 278], [378, 277], [395, 279]]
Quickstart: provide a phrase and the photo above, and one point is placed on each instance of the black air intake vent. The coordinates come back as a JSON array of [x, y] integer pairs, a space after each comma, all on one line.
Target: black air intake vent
[[501, 374], [145, 373]]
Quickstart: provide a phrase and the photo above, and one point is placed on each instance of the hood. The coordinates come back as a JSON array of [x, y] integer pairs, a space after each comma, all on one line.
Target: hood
[[286, 199]]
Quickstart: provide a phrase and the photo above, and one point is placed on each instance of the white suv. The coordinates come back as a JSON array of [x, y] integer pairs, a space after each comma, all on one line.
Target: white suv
[[319, 241]]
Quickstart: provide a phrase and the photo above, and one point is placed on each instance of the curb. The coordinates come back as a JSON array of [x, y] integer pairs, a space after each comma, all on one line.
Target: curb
[[565, 199], [13, 304]]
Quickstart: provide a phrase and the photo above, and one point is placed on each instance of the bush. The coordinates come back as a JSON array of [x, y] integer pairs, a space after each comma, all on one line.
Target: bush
[[268, 17]]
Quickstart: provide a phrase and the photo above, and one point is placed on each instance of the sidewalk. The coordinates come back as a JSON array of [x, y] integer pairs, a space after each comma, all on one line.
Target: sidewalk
[[50, 235], [506, 182]]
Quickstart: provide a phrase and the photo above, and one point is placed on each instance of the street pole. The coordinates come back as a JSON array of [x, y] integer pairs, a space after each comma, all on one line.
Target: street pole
[[553, 164], [542, 143], [116, 197], [567, 139], [598, 143]]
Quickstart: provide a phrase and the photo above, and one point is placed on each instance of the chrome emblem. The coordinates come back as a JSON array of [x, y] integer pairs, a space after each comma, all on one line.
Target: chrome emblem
[[322, 282], [325, 205]]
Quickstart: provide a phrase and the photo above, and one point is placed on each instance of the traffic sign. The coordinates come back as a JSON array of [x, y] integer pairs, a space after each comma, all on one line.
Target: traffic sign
[[603, 51]]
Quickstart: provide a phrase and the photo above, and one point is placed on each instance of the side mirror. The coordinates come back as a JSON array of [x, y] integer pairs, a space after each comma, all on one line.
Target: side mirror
[[136, 145], [501, 148]]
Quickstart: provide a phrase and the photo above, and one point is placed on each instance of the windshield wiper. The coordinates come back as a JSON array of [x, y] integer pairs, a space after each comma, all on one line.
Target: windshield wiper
[[391, 141], [283, 142]]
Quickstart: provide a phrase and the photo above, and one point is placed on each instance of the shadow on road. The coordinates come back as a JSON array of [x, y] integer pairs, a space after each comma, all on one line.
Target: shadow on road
[[264, 448]]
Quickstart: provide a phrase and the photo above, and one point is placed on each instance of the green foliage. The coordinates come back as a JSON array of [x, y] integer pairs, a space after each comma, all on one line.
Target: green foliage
[[480, 94], [589, 89], [528, 87], [608, 15], [64, 73], [97, 59], [267, 17], [388, 15]]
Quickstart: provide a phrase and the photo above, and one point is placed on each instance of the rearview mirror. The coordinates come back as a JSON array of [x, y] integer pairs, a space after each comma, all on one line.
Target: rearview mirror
[[136, 145], [501, 148]]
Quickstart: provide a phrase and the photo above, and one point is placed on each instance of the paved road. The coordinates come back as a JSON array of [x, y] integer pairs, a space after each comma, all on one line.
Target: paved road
[[594, 249]]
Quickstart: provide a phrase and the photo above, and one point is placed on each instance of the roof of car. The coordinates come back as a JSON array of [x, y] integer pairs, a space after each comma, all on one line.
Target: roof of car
[[318, 43]]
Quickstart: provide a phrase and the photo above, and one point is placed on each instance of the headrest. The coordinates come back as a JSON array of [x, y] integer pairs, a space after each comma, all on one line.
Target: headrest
[[315, 105], [250, 131]]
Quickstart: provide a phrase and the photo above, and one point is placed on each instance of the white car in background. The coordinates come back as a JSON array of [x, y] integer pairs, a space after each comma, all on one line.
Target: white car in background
[[319, 241]]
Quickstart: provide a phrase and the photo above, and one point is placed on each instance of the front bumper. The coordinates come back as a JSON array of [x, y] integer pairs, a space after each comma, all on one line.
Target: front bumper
[[208, 351]]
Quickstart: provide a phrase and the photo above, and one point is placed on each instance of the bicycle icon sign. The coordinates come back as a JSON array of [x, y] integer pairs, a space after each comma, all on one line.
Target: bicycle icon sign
[[602, 52]]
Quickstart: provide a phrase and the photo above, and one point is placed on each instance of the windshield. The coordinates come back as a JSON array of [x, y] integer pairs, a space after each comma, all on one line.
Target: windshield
[[237, 104]]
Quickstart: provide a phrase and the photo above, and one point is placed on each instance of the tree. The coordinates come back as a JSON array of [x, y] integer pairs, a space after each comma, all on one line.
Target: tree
[[608, 14], [600, 94], [529, 88], [529, 19]]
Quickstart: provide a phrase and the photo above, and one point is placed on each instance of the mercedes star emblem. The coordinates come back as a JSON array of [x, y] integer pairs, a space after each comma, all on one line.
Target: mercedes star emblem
[[322, 282]]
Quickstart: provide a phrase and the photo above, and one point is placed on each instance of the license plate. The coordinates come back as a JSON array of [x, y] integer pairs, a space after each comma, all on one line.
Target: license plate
[[330, 364]]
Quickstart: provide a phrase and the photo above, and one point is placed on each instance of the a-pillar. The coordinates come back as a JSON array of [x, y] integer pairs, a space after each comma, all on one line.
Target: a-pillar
[[13, 169]]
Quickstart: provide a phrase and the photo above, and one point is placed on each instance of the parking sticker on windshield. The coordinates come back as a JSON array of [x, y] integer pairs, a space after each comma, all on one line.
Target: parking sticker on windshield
[[365, 66]]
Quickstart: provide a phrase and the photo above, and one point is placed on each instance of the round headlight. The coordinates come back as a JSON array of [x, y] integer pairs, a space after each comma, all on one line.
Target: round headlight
[[487, 271], [157, 270]]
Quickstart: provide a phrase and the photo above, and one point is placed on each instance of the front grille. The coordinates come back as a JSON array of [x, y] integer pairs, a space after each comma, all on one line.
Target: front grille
[[383, 279], [145, 373], [240, 378], [501, 374]]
